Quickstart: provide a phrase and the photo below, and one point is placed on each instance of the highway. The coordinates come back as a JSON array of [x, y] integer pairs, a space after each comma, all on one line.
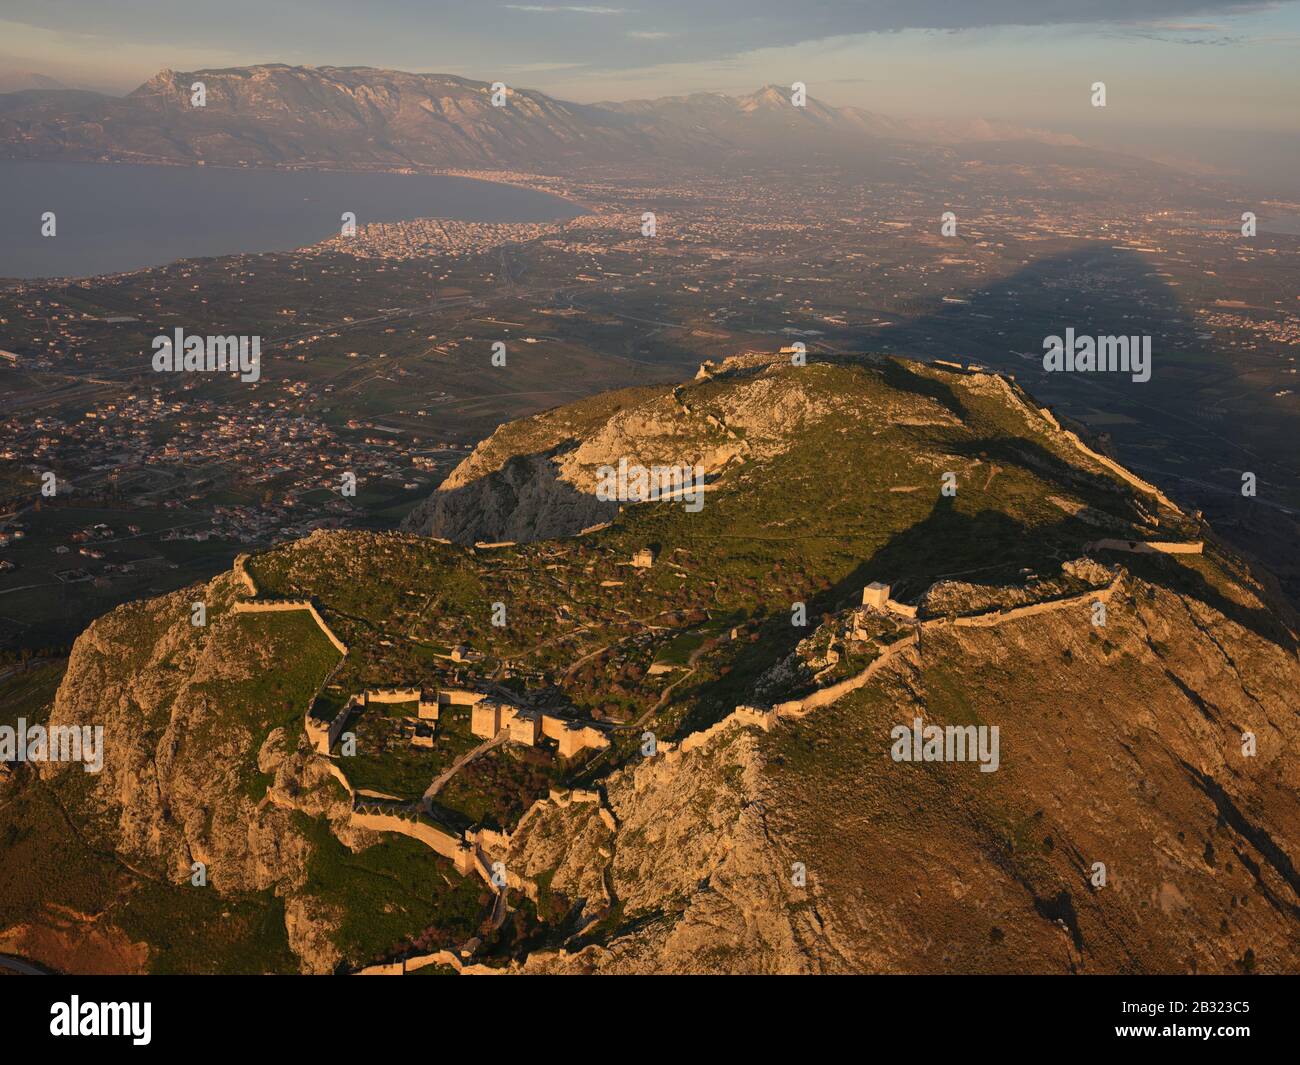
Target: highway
[[21, 965]]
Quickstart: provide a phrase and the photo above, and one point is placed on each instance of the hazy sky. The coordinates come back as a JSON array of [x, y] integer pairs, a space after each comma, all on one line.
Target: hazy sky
[[1175, 69]]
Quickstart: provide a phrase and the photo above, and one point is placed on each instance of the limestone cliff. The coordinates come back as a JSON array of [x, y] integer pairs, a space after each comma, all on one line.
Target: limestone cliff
[[537, 478], [196, 767]]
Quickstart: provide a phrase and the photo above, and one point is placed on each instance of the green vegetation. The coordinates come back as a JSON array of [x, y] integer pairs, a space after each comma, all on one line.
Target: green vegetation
[[196, 930], [297, 658], [387, 762], [30, 695], [392, 897]]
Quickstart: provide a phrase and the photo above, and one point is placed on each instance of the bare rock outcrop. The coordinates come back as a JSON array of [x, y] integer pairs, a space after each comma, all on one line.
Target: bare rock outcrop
[[180, 774]]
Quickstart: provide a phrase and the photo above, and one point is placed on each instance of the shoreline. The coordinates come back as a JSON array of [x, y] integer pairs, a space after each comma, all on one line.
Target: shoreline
[[539, 184]]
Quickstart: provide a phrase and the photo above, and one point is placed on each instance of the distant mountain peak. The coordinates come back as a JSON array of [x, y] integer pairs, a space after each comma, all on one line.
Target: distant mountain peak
[[277, 113]]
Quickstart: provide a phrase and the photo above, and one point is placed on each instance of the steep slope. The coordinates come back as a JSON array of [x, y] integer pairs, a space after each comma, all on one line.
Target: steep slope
[[784, 837], [1123, 749]]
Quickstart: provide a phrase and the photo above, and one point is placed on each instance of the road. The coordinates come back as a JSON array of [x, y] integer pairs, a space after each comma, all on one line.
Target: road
[[436, 785], [21, 965]]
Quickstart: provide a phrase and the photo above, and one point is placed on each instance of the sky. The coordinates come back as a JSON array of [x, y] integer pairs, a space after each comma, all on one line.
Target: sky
[[1200, 80]]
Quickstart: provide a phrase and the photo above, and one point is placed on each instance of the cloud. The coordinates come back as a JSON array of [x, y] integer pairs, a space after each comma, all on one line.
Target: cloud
[[688, 30], [618, 35], [565, 9]]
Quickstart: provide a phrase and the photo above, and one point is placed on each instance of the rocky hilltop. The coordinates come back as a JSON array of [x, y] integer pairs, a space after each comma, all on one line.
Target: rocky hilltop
[[880, 545]]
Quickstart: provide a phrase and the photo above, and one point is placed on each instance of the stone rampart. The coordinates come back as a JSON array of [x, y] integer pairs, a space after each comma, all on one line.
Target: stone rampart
[[1148, 547], [242, 576], [270, 606]]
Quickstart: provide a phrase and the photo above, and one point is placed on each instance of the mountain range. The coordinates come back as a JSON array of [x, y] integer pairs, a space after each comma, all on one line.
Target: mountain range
[[276, 114]]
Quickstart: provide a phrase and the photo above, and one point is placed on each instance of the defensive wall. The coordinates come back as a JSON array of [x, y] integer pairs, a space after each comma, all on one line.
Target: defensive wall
[[270, 606], [1073, 439], [1148, 547]]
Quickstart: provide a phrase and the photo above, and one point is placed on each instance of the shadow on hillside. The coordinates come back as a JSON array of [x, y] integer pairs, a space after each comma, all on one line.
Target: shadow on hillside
[[899, 376], [524, 500], [1258, 838], [945, 543], [1098, 490], [987, 549], [1167, 572], [1181, 429], [1097, 290]]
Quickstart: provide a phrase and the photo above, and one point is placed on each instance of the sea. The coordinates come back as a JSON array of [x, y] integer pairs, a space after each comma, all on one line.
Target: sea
[[117, 217]]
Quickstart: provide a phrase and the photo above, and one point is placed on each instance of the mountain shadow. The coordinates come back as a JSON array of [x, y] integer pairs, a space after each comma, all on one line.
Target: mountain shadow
[[1191, 429]]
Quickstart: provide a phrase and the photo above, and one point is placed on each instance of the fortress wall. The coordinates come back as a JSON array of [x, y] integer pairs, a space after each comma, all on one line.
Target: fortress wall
[[826, 696], [490, 839], [1115, 468], [528, 887], [996, 617], [571, 736], [392, 968], [240, 570], [336, 726], [742, 715], [1126, 475], [479, 969], [269, 606], [324, 737], [536, 808], [441, 957], [392, 695], [317, 735], [339, 645], [832, 693], [754, 715], [435, 839], [339, 775], [472, 853], [1148, 547], [478, 862], [466, 858], [698, 739]]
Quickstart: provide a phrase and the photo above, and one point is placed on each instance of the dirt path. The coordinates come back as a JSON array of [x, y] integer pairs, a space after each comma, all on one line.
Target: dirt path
[[437, 784]]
